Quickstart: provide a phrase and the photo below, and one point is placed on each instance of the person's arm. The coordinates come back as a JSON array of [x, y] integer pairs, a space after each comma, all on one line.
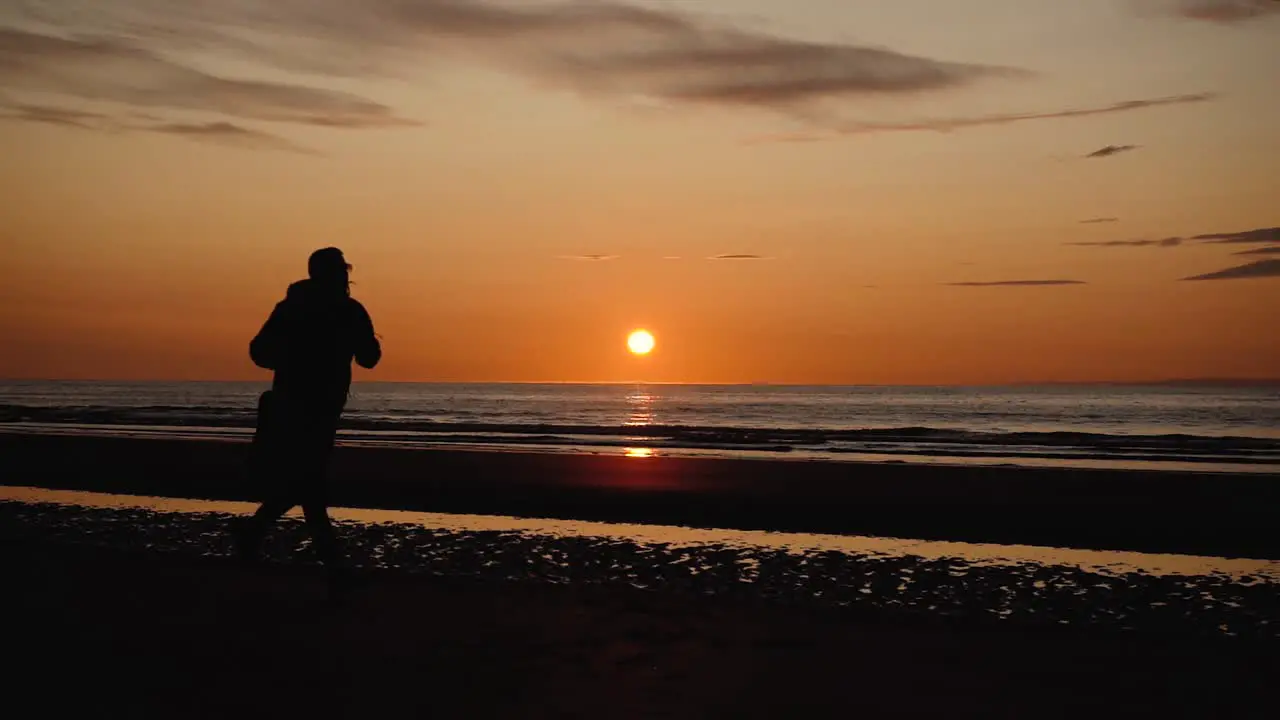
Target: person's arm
[[368, 350], [267, 347]]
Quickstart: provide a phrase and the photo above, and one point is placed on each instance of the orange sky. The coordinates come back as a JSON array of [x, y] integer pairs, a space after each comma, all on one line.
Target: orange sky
[[163, 188]]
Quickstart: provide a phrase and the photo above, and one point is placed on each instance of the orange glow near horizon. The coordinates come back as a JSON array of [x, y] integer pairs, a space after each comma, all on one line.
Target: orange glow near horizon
[[782, 220]]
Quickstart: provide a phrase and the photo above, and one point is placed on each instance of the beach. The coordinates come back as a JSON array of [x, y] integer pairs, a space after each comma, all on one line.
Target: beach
[[142, 635], [1183, 512], [502, 584]]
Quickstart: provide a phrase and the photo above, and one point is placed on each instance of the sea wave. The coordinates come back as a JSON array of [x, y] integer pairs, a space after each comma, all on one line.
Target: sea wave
[[880, 441]]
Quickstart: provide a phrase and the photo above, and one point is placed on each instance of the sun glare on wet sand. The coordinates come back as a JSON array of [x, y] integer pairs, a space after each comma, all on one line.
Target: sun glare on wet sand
[[640, 342]]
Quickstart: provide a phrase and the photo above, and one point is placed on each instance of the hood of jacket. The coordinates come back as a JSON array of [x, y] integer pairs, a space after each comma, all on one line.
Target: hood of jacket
[[308, 293]]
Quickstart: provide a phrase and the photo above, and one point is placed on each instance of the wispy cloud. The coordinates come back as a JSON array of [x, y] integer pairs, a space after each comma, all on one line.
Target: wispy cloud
[[219, 131], [230, 134], [1226, 11], [601, 47], [589, 258], [1258, 269], [1095, 221], [789, 138], [738, 256], [1165, 243], [1260, 251], [951, 124], [1110, 150], [1017, 283], [53, 115], [129, 53], [114, 70], [1264, 236], [1260, 235]]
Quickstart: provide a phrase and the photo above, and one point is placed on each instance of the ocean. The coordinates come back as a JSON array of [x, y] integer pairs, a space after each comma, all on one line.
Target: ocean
[[1219, 429]]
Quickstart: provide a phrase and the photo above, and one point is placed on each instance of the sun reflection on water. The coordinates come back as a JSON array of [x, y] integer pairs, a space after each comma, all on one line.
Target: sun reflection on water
[[640, 407]]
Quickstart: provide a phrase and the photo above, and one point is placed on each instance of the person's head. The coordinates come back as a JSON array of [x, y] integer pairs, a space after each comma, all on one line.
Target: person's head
[[328, 267]]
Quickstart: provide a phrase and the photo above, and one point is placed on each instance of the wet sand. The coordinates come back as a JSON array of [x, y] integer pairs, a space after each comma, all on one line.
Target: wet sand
[[140, 635], [993, 585], [1176, 512]]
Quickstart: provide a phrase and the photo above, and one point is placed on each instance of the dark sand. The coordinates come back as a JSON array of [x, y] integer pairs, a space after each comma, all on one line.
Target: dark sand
[[1163, 595], [1191, 513], [135, 635], [159, 631]]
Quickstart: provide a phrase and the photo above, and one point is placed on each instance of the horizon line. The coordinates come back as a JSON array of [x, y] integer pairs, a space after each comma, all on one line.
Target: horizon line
[[1260, 381]]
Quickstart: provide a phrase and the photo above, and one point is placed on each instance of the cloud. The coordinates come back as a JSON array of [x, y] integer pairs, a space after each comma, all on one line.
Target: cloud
[[1264, 236], [1261, 251], [1017, 283], [1260, 235], [113, 70], [1118, 107], [1226, 11], [1258, 269], [951, 124], [738, 256], [1094, 221], [795, 138], [1110, 150], [231, 134], [745, 69], [52, 115], [1166, 242], [599, 48], [221, 132], [589, 258]]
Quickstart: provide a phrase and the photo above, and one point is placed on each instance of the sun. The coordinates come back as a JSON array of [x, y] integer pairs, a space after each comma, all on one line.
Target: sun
[[640, 342]]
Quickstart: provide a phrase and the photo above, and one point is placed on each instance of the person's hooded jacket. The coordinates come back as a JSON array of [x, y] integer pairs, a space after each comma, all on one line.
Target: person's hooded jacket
[[309, 342]]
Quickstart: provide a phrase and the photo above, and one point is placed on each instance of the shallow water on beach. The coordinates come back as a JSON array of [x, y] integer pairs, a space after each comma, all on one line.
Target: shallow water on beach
[[1002, 582], [1108, 562]]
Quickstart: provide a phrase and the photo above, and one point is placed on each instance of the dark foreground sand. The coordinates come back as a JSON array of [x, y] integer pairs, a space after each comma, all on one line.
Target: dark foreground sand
[[867, 577], [112, 634], [130, 614], [1190, 513]]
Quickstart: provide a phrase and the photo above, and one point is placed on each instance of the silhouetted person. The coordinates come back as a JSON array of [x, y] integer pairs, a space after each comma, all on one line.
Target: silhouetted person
[[309, 342]]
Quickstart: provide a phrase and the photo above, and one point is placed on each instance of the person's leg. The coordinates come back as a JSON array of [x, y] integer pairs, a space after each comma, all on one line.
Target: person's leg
[[328, 547], [251, 531], [315, 504], [271, 510], [285, 483], [322, 535], [263, 473], [274, 471]]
